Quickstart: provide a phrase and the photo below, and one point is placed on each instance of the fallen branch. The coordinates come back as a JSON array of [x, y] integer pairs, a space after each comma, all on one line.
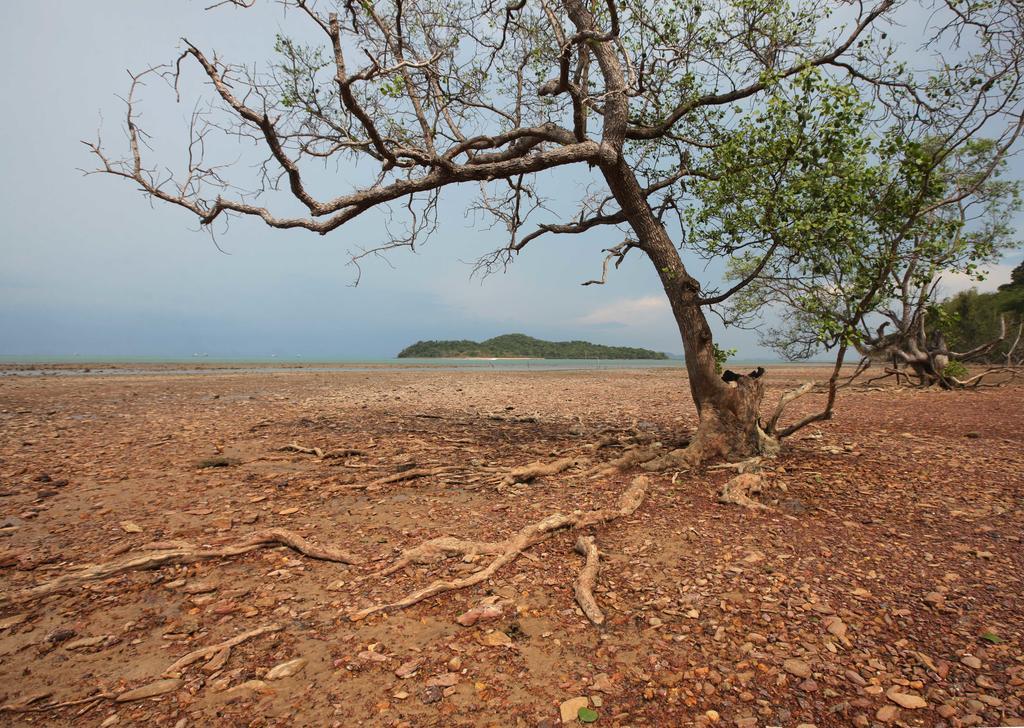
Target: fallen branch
[[509, 550], [182, 555], [584, 587], [174, 670]]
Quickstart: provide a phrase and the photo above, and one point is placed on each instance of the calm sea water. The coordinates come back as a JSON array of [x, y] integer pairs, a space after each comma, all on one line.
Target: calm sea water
[[96, 366]]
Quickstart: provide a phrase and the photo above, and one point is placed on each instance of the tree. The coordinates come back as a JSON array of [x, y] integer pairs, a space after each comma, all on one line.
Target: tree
[[971, 320], [886, 253], [641, 95]]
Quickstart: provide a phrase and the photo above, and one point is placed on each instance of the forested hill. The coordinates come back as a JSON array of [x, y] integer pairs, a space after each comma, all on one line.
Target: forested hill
[[520, 345], [972, 319]]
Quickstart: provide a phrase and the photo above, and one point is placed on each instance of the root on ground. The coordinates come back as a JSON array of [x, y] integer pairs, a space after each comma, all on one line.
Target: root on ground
[[526, 473], [184, 554], [585, 582], [505, 551], [739, 489]]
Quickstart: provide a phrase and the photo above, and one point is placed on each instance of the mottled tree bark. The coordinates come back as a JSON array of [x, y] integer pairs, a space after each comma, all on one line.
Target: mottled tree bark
[[728, 425]]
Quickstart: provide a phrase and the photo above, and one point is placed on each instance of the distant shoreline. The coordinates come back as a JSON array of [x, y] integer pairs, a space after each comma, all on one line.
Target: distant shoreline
[[41, 366]]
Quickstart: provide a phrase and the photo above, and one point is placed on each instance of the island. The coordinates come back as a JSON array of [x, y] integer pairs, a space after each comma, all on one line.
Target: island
[[521, 346]]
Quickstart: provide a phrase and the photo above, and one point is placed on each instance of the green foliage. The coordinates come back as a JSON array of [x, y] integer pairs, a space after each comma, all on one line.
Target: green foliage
[[834, 223], [520, 345], [587, 715], [972, 318], [955, 369], [721, 357]]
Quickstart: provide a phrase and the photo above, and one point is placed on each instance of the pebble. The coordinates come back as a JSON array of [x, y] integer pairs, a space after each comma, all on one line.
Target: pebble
[[796, 667], [887, 713], [85, 642], [911, 702], [569, 709], [251, 686], [855, 677], [481, 613], [601, 682], [407, 669], [444, 680], [287, 669], [971, 661]]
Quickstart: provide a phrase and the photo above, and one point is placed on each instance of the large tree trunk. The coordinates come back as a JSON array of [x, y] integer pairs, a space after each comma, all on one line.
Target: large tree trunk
[[728, 412]]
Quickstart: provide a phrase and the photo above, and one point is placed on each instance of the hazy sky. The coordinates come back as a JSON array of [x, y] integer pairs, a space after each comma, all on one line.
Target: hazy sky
[[88, 266]]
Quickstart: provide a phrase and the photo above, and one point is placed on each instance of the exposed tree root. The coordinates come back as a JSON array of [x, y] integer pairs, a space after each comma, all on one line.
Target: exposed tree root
[[321, 453], [506, 551], [628, 459], [304, 450], [182, 555], [750, 465], [410, 474], [29, 706], [526, 473], [682, 458], [174, 670], [436, 549], [739, 489], [584, 587], [345, 452]]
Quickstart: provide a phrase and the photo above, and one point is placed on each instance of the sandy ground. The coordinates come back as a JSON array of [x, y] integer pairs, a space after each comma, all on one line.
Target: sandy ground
[[883, 587]]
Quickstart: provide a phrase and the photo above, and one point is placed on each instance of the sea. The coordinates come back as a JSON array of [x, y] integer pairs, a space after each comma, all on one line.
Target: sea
[[126, 366]]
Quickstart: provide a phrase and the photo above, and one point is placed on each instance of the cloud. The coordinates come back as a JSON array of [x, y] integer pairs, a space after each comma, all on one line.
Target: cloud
[[643, 311], [997, 275]]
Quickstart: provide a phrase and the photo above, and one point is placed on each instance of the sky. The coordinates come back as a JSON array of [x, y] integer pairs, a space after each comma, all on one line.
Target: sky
[[90, 268]]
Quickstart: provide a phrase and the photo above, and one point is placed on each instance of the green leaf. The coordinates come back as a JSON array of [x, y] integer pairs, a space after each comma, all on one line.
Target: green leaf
[[992, 637], [587, 715]]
